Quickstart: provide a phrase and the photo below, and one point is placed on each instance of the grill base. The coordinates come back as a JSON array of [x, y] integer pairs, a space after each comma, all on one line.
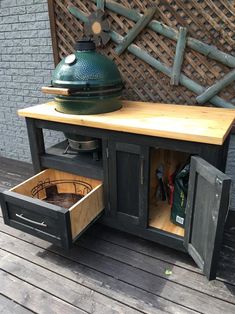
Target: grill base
[[80, 106]]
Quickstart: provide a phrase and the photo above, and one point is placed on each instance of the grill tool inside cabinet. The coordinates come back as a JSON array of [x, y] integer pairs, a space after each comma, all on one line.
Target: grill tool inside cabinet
[[143, 148]]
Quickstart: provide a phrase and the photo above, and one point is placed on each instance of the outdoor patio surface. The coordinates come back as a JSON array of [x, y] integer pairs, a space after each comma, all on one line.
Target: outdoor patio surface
[[107, 271]]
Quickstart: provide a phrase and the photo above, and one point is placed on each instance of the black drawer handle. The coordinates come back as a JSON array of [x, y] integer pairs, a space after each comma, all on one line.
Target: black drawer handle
[[41, 224]]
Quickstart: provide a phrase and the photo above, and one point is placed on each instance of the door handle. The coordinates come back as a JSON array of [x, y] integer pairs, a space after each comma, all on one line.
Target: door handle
[[41, 224], [141, 170]]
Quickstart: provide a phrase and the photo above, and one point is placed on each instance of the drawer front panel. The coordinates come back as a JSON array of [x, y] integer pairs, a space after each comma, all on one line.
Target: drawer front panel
[[33, 219], [40, 219]]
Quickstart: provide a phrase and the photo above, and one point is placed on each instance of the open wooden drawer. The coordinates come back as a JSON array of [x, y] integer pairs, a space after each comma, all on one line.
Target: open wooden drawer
[[48, 206]]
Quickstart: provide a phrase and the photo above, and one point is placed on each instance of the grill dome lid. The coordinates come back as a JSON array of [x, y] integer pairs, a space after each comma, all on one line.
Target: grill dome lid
[[88, 71]]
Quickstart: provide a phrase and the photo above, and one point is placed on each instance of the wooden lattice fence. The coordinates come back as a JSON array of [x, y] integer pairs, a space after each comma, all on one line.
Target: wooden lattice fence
[[206, 22]]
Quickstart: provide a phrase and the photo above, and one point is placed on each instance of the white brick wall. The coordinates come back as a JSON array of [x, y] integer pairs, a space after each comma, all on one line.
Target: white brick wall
[[26, 62]]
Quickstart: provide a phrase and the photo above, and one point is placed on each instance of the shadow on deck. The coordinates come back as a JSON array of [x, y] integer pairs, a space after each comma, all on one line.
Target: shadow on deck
[[107, 271]]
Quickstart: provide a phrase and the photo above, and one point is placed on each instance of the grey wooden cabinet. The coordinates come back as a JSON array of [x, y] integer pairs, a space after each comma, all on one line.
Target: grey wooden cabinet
[[125, 174]]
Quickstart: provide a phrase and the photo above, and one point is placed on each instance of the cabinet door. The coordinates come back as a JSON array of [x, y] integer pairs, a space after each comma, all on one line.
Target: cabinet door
[[128, 170], [207, 208]]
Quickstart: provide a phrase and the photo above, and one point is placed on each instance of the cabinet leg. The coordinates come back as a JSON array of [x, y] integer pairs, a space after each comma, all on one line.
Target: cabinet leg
[[216, 155], [36, 143]]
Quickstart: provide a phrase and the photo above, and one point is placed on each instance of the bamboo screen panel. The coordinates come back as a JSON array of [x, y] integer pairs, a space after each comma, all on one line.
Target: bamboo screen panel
[[211, 22]]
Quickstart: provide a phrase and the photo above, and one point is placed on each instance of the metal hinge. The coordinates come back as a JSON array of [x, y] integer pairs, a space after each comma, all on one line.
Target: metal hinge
[[107, 152], [218, 181]]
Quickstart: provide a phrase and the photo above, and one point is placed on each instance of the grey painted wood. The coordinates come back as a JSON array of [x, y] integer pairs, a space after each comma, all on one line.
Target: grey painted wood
[[184, 80], [64, 289], [105, 159], [56, 220], [72, 265], [100, 4], [31, 297], [128, 177], [179, 56], [127, 180], [134, 226], [216, 88], [14, 169], [136, 139], [134, 32], [121, 159], [147, 248], [8, 306], [157, 266], [207, 207], [36, 143], [81, 164], [226, 270], [207, 50], [156, 286], [146, 57]]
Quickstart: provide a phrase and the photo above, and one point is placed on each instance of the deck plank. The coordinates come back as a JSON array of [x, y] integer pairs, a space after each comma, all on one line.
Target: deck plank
[[227, 264], [33, 298], [156, 285], [66, 290], [226, 269], [13, 172], [8, 306], [106, 269], [143, 246], [129, 275], [181, 276], [63, 263]]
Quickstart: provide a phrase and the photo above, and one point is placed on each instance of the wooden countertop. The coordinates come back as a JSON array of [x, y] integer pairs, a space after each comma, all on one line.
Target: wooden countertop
[[189, 123]]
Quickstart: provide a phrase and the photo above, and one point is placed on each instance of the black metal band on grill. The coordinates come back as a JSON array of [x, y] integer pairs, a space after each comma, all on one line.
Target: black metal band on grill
[[87, 91]]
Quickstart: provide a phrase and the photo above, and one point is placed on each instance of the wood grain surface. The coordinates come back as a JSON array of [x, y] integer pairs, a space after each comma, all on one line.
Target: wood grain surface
[[159, 217], [55, 90], [188, 123], [87, 209], [160, 211]]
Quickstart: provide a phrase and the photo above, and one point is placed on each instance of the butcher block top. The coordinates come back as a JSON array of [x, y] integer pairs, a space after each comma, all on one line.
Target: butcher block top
[[188, 123]]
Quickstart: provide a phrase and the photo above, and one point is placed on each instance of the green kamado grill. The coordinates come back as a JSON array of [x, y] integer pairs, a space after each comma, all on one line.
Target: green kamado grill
[[84, 83], [93, 80]]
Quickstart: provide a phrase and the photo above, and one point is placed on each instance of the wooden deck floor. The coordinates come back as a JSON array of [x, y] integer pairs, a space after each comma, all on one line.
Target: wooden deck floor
[[106, 272]]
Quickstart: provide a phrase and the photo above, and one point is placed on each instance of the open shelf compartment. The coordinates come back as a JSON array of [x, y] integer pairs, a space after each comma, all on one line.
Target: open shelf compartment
[[165, 162], [78, 163]]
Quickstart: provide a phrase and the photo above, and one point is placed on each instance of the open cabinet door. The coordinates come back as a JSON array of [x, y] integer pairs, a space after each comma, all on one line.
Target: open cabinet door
[[207, 208]]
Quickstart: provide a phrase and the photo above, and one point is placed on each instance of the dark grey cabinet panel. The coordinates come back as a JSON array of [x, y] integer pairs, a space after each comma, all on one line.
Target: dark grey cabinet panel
[[128, 170], [43, 220], [128, 165], [207, 207]]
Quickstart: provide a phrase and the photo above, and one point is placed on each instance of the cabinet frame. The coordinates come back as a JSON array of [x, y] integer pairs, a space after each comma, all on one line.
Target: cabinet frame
[[214, 154]]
